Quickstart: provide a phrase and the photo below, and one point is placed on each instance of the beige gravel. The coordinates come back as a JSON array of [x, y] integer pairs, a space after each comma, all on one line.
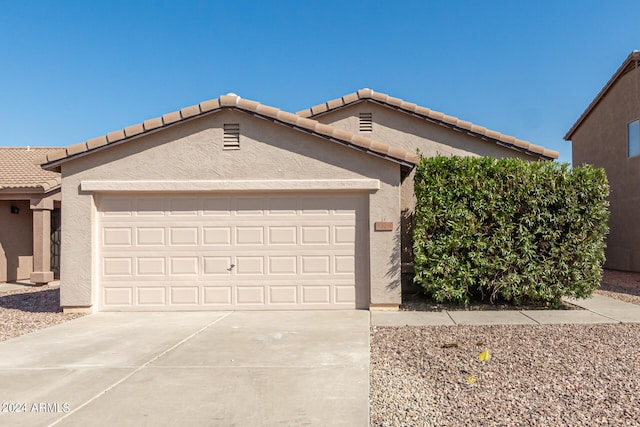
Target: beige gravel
[[30, 309], [544, 375], [537, 376]]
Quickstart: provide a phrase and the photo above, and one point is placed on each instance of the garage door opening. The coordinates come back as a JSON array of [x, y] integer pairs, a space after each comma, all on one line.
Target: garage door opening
[[247, 251]]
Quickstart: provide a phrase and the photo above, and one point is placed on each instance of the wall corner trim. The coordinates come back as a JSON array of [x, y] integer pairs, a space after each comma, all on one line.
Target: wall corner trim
[[232, 185]]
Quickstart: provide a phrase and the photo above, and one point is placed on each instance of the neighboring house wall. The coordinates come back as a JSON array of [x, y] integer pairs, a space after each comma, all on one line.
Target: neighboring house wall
[[193, 151], [412, 133], [16, 259], [601, 140]]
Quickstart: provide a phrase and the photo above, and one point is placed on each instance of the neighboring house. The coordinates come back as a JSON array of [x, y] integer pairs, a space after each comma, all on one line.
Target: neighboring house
[[607, 135], [414, 128], [235, 205], [29, 217]]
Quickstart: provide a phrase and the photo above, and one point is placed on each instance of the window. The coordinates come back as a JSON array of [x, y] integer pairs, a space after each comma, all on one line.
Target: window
[[366, 122], [633, 138], [231, 136]]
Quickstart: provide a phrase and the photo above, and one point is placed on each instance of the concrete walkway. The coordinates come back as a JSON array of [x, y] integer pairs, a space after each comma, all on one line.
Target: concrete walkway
[[22, 285], [597, 309], [193, 369]]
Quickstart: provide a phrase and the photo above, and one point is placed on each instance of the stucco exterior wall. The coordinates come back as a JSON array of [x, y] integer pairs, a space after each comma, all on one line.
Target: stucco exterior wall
[[411, 134], [194, 151], [601, 140], [16, 237]]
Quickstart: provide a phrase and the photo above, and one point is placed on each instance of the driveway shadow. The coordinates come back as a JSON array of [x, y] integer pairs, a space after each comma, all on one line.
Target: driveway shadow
[[45, 301]]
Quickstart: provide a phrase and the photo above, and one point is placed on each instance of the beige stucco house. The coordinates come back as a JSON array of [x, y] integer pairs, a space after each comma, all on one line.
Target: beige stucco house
[[235, 205], [29, 217], [607, 135]]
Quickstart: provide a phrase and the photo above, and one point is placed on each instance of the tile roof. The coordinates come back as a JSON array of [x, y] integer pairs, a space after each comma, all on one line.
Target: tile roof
[[18, 169], [52, 160], [430, 115], [632, 62]]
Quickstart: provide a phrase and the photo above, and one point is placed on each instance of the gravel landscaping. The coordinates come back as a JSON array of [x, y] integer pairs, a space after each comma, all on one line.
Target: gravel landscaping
[[27, 310], [537, 376], [549, 375]]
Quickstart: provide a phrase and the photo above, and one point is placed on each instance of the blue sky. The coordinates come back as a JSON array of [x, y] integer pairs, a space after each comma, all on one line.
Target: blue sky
[[74, 70]]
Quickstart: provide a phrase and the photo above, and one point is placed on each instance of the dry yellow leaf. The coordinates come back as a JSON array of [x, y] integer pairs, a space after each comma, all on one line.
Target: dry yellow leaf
[[485, 355], [471, 379]]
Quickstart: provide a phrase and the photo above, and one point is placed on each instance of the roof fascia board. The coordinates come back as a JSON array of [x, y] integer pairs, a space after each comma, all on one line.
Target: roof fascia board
[[56, 163]]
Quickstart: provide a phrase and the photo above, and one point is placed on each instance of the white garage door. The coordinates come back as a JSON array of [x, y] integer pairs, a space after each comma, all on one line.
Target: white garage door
[[228, 252]]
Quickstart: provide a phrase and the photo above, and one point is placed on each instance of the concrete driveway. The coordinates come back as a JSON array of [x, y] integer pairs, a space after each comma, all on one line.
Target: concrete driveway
[[205, 369]]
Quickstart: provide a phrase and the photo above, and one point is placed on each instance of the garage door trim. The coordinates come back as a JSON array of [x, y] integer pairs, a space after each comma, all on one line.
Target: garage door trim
[[233, 185]]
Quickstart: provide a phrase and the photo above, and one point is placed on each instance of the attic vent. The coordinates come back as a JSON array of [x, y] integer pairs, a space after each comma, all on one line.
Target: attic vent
[[231, 136], [366, 122]]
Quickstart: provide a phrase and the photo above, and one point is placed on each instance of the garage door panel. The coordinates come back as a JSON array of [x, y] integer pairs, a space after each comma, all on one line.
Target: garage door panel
[[217, 295], [220, 252], [116, 236], [345, 294], [218, 236], [150, 266], [150, 236], [344, 264], [118, 297], [117, 266], [253, 295], [253, 265], [185, 295], [344, 235], [315, 235], [283, 265], [217, 265], [183, 265], [183, 236], [151, 295], [287, 295], [247, 235], [315, 264], [282, 235], [316, 294]]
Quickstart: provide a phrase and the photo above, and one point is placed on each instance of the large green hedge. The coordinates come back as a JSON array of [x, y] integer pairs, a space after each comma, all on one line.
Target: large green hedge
[[524, 232]]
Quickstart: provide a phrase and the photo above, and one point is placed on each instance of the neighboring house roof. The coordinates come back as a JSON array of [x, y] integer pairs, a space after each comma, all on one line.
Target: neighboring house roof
[[19, 171], [632, 62], [53, 160], [431, 116]]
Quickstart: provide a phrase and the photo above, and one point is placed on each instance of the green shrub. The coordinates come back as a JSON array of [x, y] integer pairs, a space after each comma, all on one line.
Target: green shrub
[[525, 232]]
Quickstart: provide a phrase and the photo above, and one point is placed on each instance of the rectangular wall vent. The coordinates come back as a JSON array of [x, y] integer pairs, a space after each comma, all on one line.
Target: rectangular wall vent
[[231, 136], [366, 122]]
